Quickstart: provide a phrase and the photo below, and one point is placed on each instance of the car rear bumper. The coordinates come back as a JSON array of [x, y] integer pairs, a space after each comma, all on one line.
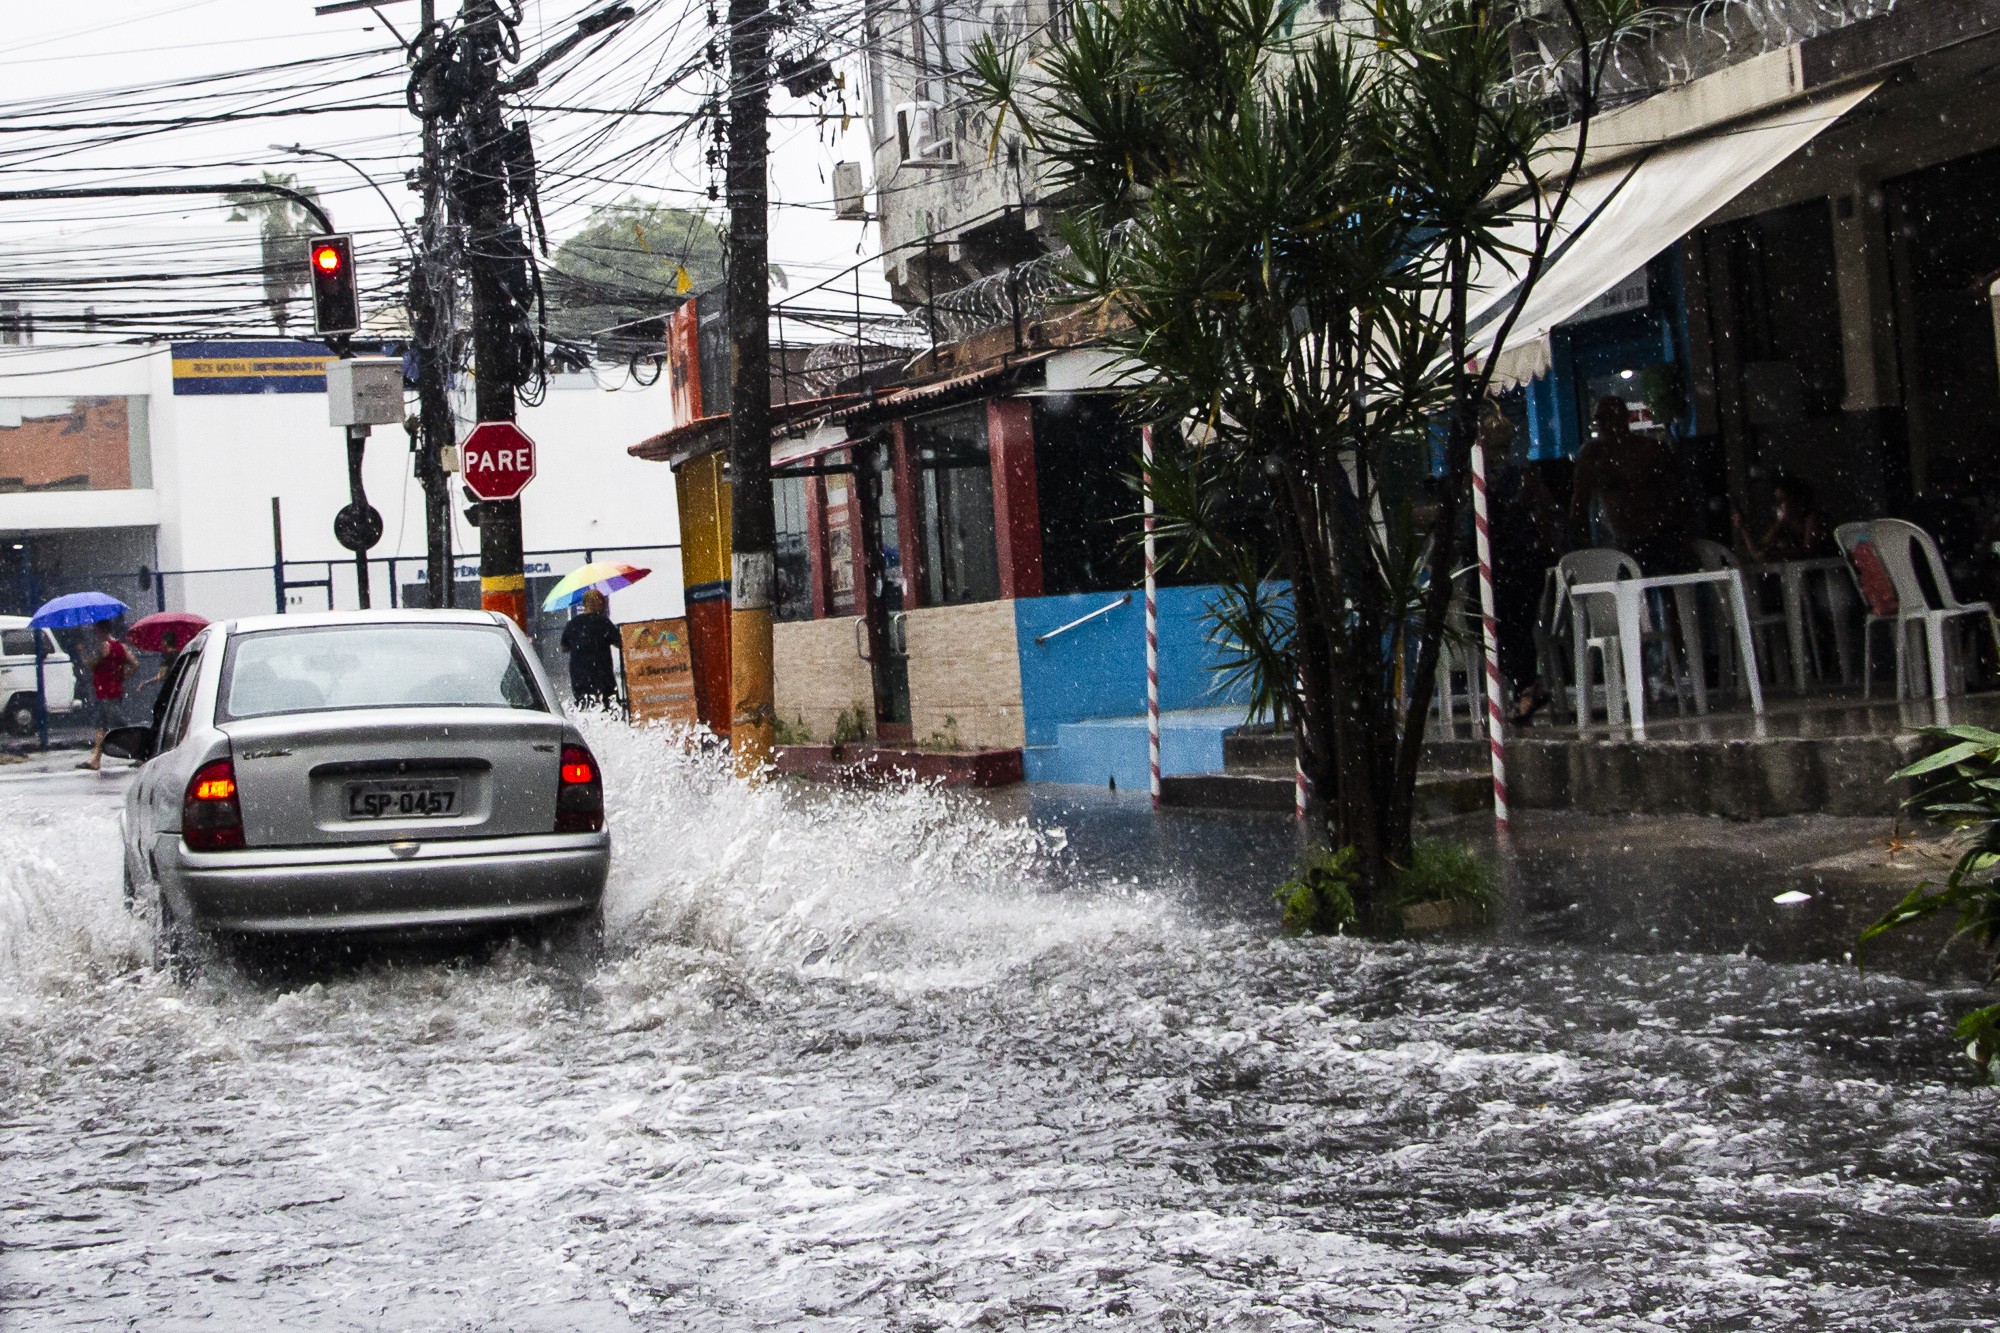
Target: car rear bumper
[[444, 884]]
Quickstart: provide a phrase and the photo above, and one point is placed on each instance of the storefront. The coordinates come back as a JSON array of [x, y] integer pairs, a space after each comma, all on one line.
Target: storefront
[[935, 545]]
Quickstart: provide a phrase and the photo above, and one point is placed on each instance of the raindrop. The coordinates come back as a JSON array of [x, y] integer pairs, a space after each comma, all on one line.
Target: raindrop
[[1791, 896]]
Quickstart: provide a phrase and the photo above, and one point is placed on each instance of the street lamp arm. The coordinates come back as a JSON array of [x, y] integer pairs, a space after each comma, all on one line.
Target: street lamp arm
[[145, 191], [302, 151]]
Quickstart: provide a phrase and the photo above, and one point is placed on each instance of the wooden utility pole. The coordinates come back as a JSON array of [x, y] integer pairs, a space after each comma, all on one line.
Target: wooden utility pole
[[753, 526], [430, 298], [494, 254]]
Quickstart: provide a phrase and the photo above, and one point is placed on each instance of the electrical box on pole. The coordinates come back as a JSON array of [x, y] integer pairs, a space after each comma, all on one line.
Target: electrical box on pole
[[336, 298], [365, 391]]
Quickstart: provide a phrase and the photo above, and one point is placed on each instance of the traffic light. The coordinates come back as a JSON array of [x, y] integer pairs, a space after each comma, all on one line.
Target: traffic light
[[336, 303]]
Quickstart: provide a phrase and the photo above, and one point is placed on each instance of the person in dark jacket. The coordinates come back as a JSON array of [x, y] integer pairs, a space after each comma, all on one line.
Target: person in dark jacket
[[588, 639], [1636, 485]]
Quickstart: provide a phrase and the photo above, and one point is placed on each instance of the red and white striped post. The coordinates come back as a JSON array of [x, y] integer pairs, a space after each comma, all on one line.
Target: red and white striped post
[[1298, 754], [1152, 619], [1490, 634]]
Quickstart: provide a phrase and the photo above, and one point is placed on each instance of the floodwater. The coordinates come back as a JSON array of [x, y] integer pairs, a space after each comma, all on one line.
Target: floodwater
[[896, 1061]]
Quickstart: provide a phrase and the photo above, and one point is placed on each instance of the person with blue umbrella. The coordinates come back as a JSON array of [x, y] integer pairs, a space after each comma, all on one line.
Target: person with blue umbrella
[[111, 665]]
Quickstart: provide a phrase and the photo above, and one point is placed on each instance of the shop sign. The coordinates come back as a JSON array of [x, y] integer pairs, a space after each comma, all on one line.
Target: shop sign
[[258, 366], [1631, 293], [659, 671]]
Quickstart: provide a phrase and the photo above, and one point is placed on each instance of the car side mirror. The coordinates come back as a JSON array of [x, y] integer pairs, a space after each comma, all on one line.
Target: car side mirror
[[129, 743]]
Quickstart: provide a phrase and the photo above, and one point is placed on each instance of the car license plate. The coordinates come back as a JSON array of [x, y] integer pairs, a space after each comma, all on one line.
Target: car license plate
[[435, 798]]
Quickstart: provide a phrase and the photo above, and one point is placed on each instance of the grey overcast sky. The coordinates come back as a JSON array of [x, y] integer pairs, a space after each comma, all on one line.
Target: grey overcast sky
[[74, 67]]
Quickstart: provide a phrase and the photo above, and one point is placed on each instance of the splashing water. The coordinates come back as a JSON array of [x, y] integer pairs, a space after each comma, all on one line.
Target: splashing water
[[866, 1060]]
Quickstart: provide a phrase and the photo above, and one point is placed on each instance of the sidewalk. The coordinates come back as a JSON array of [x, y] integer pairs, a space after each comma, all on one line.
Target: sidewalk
[[1647, 884], [64, 735]]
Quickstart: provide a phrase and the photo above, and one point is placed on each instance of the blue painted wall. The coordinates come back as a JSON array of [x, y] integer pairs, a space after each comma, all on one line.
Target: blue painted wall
[[1556, 414], [1099, 669]]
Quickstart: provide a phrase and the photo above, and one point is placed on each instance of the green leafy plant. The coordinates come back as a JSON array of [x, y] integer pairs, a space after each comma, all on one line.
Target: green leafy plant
[[1445, 872], [945, 737], [1961, 789], [794, 732], [851, 725], [1319, 897]]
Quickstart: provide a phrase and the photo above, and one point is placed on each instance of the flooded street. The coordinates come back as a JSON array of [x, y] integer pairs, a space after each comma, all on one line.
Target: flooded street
[[891, 1061]]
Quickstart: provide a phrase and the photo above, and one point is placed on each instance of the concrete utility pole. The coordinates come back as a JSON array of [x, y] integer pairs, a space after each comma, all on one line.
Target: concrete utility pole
[[430, 296], [753, 525], [495, 253]]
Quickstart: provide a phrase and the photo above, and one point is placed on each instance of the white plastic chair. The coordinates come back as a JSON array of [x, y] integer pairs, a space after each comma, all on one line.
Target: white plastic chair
[[1848, 536], [1600, 635], [1894, 542], [1551, 632], [1462, 656], [1768, 628]]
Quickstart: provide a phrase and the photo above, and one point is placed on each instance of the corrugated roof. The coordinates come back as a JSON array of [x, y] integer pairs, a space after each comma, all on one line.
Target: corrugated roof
[[938, 393], [691, 439]]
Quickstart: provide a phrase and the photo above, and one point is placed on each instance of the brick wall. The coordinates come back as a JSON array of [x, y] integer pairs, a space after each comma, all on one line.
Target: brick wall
[[819, 674], [965, 665]]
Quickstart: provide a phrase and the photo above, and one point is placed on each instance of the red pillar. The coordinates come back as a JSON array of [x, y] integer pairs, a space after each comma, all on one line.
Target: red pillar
[[1017, 518], [816, 540], [904, 467]]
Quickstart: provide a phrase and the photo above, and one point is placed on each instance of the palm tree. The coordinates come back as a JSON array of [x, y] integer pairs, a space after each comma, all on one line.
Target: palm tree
[[283, 226], [1289, 226]]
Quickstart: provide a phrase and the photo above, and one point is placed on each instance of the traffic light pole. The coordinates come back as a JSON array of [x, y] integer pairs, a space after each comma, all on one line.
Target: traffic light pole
[[482, 199], [357, 444], [753, 525]]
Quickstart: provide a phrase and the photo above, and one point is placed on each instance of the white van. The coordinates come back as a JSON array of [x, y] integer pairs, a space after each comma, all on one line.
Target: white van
[[17, 676]]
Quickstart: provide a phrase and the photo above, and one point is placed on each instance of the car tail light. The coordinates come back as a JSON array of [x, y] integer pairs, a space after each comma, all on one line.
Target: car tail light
[[580, 796], [211, 819]]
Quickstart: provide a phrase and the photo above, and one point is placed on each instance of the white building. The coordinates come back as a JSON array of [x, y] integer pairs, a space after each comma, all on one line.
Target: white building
[[149, 472]]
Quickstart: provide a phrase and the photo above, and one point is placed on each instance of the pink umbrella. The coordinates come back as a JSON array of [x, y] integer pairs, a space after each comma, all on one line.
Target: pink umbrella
[[150, 633]]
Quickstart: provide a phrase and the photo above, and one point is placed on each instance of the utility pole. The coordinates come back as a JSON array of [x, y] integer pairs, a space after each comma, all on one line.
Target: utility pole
[[430, 297], [753, 526], [494, 251]]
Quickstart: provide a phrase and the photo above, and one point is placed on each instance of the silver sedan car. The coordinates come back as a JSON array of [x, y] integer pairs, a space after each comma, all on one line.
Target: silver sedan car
[[394, 772]]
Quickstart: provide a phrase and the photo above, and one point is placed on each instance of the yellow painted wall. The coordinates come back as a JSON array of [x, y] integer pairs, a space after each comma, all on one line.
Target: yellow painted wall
[[704, 507]]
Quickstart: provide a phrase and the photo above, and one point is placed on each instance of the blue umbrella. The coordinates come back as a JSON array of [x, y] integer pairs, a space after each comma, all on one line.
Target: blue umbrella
[[79, 608]]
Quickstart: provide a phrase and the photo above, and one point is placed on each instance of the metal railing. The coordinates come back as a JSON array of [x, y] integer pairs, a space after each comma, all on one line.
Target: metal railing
[[236, 591], [1085, 619]]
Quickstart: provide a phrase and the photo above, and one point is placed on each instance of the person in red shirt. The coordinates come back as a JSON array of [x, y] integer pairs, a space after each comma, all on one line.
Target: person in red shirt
[[109, 670]]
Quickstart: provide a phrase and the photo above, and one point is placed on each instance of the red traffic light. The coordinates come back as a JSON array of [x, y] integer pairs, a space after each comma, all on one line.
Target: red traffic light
[[336, 303]]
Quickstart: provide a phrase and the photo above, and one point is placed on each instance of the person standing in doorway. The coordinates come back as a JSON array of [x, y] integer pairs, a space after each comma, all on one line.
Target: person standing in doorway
[[111, 665], [588, 639]]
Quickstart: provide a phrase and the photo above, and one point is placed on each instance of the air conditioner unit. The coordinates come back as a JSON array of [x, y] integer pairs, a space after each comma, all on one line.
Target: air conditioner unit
[[850, 199], [921, 140]]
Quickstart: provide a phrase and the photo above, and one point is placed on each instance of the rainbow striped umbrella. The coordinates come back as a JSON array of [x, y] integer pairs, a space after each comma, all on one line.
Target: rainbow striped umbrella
[[600, 575]]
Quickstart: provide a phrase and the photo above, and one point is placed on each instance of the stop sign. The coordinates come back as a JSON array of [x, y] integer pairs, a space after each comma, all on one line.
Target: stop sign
[[499, 460]]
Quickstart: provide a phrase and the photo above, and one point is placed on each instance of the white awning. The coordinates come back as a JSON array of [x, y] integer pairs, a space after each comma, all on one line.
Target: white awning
[[1618, 219]]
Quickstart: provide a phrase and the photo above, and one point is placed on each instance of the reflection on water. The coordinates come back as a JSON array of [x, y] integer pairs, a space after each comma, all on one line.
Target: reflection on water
[[904, 1061]]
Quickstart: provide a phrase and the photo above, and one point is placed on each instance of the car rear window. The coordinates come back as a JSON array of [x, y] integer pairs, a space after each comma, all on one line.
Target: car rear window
[[309, 670]]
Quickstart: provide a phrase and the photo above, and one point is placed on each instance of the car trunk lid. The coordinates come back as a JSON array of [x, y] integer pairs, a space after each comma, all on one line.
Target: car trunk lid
[[392, 775]]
